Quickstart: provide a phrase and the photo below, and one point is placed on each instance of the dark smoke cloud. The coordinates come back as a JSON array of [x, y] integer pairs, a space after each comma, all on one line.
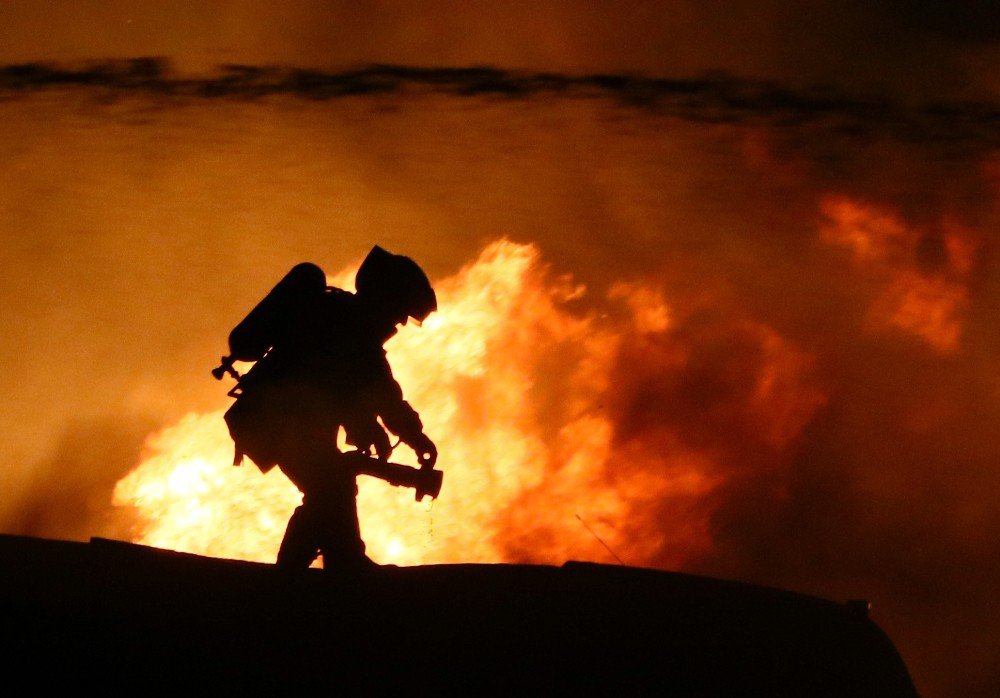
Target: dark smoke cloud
[[67, 494], [716, 98], [873, 502], [922, 49]]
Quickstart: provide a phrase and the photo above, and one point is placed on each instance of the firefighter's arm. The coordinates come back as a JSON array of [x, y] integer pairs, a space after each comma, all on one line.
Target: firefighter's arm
[[401, 419]]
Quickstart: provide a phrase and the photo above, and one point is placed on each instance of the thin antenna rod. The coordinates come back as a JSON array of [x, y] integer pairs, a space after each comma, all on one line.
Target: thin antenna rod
[[599, 540]]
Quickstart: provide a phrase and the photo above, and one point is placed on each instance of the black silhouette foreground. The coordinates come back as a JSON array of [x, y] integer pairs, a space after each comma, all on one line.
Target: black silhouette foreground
[[320, 367], [121, 617]]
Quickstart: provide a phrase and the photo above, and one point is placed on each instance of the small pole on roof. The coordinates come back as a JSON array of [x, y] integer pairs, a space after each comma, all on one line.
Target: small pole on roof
[[599, 540]]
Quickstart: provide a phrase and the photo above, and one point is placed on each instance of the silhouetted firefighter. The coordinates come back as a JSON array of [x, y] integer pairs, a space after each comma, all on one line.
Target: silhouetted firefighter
[[320, 366]]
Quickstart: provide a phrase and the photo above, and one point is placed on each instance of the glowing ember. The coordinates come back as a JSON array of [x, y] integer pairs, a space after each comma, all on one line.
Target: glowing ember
[[513, 387]]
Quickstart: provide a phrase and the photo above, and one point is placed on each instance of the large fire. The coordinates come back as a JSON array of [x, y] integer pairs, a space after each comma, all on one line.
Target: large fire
[[512, 381]]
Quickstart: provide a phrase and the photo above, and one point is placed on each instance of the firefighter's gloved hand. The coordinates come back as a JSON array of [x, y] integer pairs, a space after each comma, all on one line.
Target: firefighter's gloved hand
[[368, 436], [426, 451], [383, 449]]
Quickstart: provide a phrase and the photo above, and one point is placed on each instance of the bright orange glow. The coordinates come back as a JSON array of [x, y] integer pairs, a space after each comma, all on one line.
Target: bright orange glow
[[929, 308], [868, 232], [780, 406], [193, 499], [960, 247], [647, 306], [927, 303], [512, 385]]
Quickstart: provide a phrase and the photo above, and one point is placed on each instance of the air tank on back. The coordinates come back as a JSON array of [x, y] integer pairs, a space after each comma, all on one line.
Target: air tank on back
[[258, 331]]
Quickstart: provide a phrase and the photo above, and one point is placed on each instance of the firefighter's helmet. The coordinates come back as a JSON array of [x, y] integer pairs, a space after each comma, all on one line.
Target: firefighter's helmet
[[396, 283]]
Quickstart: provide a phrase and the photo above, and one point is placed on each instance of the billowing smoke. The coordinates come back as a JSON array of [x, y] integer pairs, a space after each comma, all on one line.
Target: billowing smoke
[[759, 351], [67, 494]]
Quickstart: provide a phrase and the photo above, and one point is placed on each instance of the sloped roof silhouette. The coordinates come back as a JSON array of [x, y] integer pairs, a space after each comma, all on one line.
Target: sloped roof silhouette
[[112, 614]]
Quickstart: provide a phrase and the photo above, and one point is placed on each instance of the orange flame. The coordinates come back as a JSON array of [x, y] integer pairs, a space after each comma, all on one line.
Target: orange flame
[[926, 303], [513, 387]]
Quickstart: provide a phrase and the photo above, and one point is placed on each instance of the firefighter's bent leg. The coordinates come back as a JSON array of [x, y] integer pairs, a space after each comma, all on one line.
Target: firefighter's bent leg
[[300, 545], [340, 538]]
